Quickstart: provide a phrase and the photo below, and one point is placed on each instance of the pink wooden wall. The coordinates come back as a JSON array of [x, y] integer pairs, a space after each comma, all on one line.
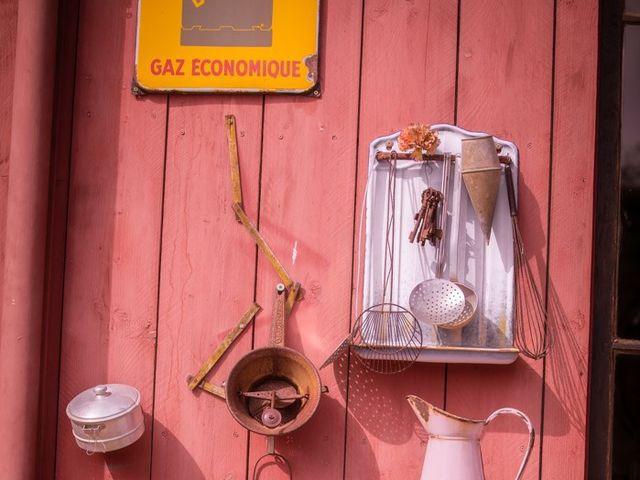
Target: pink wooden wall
[[156, 269]]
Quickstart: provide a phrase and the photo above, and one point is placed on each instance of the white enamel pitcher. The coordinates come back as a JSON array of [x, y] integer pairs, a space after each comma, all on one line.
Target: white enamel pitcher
[[453, 448]]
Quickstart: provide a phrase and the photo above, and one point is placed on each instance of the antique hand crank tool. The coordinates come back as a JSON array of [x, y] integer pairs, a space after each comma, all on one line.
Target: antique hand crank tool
[[197, 381], [273, 390]]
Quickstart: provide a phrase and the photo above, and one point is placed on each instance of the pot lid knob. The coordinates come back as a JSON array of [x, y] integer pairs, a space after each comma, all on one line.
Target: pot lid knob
[[101, 391]]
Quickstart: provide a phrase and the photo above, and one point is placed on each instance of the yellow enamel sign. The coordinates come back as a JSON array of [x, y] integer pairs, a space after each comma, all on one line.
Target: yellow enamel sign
[[227, 45]]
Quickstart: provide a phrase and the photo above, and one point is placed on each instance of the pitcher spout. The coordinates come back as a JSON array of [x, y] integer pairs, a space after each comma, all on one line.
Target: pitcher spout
[[440, 423]]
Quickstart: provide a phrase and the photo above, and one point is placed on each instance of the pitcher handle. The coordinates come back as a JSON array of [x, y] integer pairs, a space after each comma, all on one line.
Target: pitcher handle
[[532, 435]]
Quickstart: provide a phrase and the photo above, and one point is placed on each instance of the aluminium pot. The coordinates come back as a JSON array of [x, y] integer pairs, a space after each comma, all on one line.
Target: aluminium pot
[[106, 417]]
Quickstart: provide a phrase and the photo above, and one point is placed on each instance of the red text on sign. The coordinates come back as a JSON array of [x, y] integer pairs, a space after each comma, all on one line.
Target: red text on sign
[[226, 68], [170, 67]]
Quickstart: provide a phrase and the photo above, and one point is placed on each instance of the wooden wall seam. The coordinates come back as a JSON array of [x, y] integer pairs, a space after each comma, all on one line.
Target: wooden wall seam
[[548, 245], [62, 133], [160, 248], [354, 234], [248, 465]]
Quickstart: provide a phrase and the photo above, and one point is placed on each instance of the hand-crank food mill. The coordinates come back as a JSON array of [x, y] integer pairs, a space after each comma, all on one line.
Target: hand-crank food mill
[[272, 390]]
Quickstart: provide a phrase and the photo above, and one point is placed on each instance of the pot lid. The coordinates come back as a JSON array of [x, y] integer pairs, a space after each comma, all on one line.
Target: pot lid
[[103, 402]]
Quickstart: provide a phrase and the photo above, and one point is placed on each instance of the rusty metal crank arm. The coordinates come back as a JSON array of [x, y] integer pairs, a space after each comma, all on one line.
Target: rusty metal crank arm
[[276, 337], [262, 245], [224, 345], [232, 139], [238, 208], [273, 395], [212, 388]]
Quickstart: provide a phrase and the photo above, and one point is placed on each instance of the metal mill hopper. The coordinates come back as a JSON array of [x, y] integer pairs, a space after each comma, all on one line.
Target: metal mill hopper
[[273, 390]]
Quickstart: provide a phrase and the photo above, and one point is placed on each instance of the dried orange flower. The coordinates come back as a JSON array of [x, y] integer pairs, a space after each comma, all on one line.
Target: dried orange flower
[[418, 135]]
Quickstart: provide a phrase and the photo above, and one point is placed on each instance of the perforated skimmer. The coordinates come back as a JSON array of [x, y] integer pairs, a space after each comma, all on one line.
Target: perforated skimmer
[[437, 301]]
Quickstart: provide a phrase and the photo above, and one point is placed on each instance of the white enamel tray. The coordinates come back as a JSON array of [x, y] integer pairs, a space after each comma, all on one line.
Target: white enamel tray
[[487, 268]]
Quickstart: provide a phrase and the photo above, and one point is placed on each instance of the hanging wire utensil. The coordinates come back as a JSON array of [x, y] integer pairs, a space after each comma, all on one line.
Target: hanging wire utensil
[[470, 296], [437, 301], [531, 334], [387, 336]]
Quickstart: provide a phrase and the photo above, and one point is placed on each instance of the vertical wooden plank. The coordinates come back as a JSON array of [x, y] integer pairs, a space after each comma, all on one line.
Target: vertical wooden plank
[[207, 283], [306, 212], [408, 75], [24, 237], [504, 85], [9, 15], [571, 239], [110, 297]]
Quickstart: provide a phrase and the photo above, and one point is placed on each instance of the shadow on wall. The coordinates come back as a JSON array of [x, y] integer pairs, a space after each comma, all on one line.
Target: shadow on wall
[[384, 413], [377, 408], [118, 463], [188, 467], [532, 231], [567, 373]]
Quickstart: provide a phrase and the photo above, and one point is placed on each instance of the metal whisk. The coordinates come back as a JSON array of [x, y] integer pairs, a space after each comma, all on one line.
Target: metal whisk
[[531, 334]]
